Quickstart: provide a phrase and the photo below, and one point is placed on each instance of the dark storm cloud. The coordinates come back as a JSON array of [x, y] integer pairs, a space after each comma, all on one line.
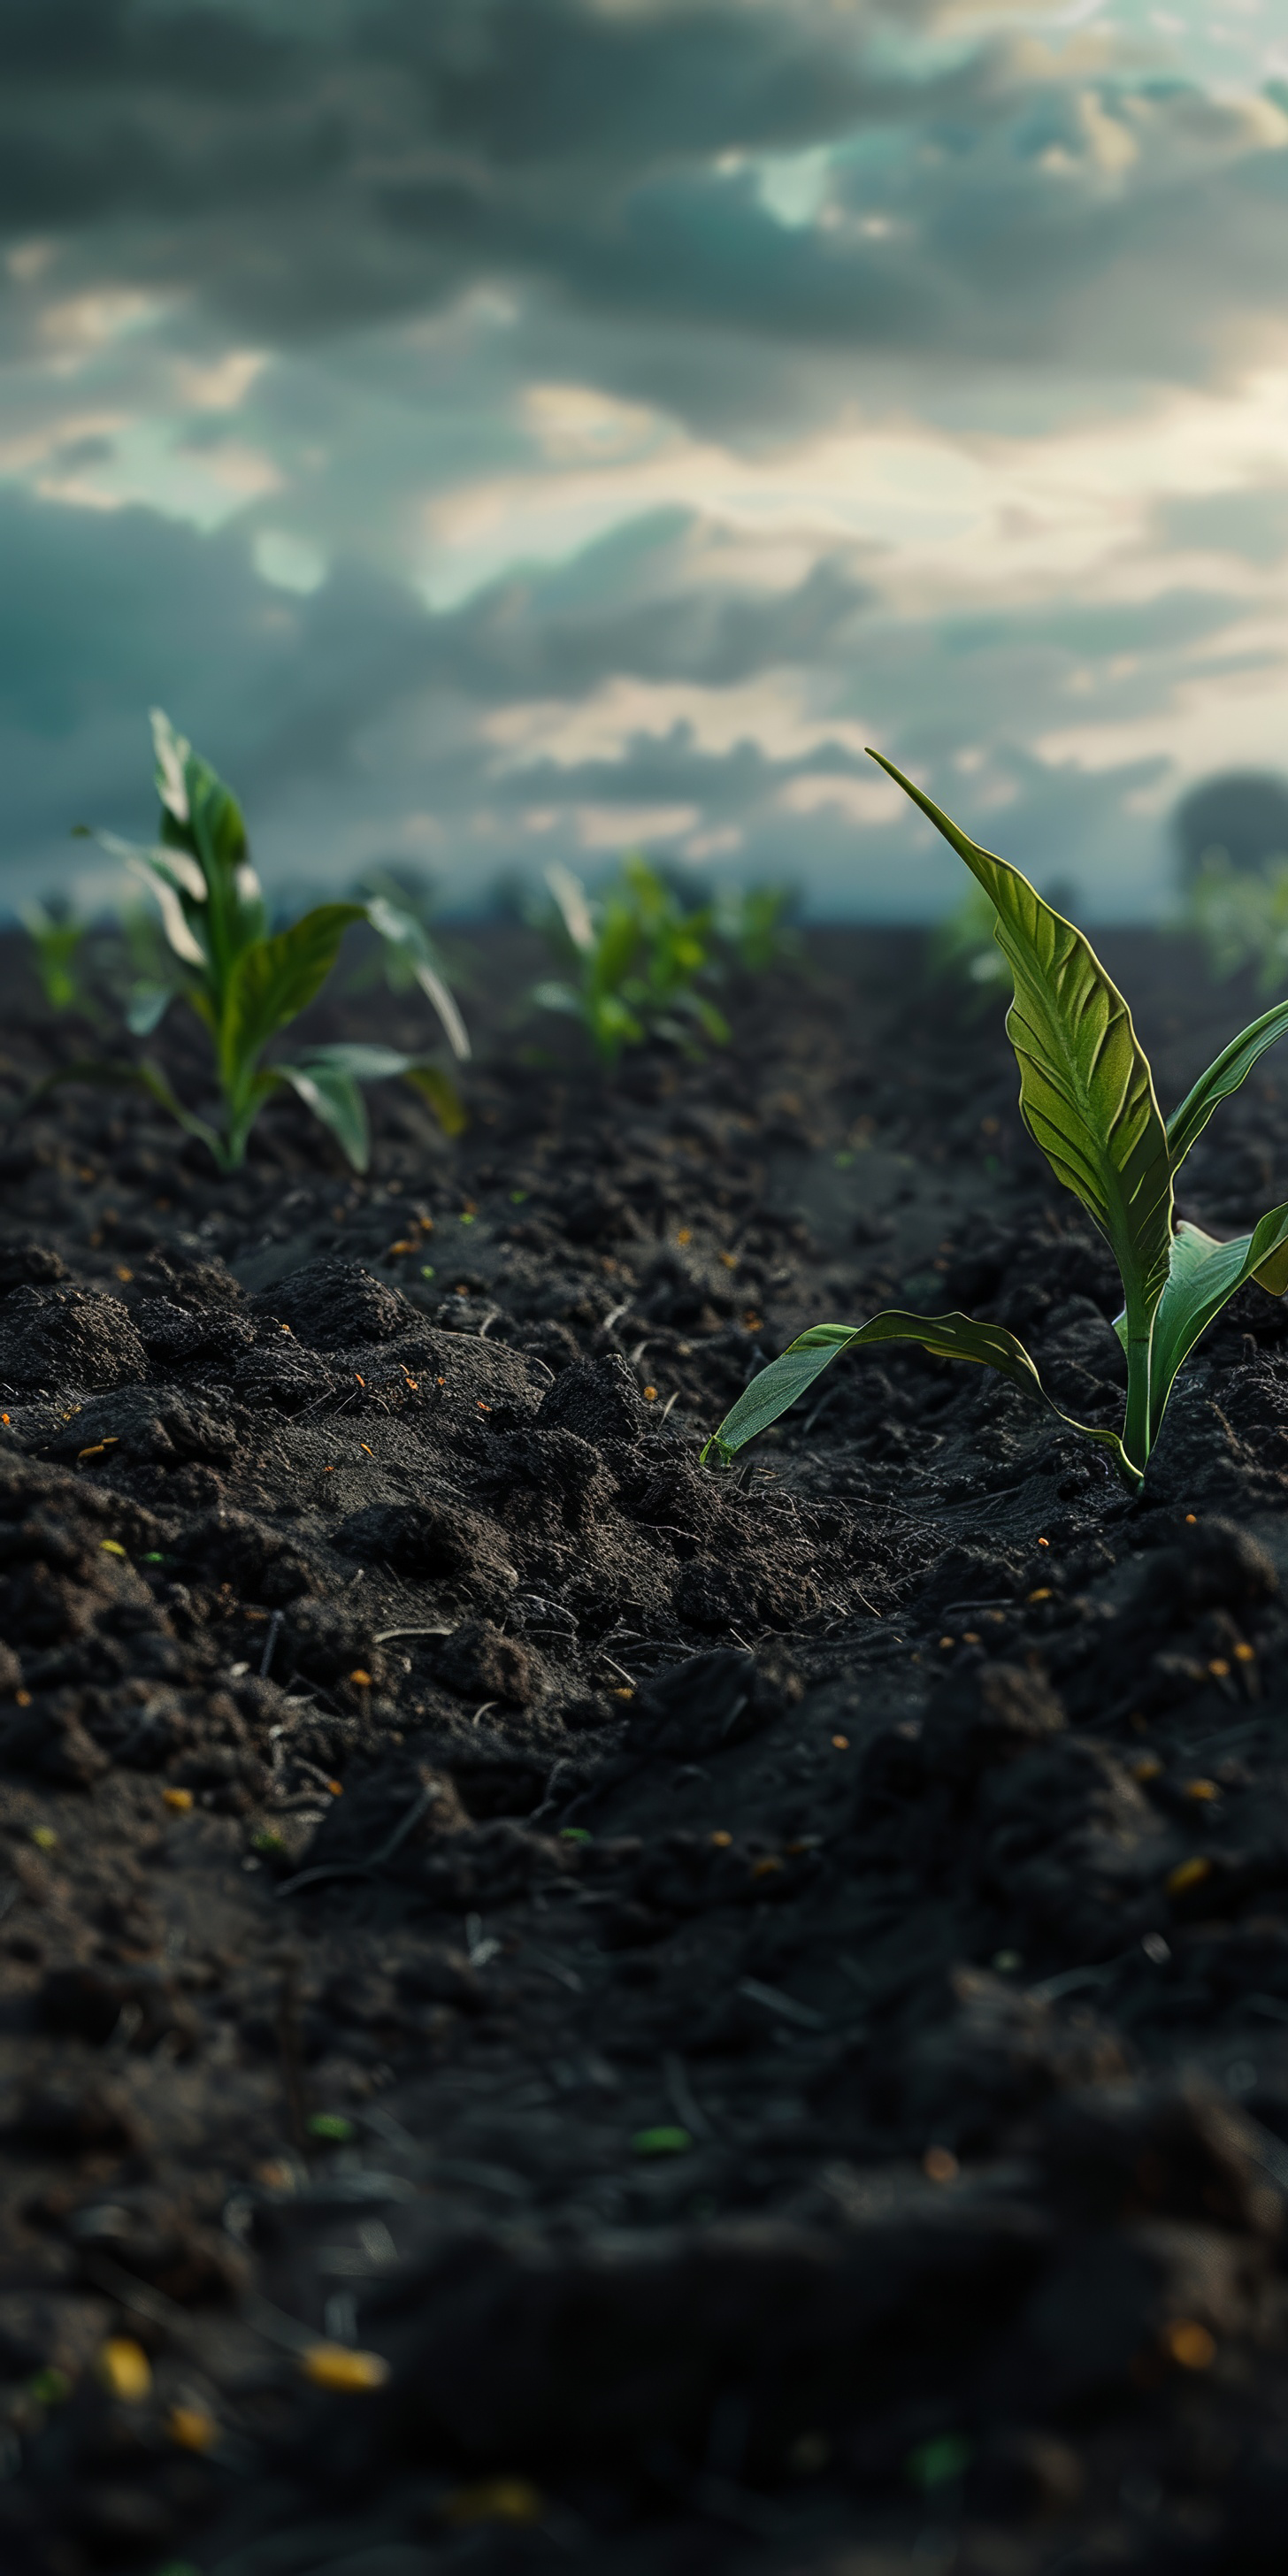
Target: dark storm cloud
[[338, 715], [309, 180], [306, 175], [101, 613]]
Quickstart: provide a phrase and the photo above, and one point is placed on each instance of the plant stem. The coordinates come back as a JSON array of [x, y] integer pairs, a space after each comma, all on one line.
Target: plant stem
[[1136, 1426]]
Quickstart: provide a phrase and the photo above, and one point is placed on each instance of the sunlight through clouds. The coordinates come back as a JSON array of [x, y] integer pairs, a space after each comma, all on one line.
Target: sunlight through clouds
[[540, 424]]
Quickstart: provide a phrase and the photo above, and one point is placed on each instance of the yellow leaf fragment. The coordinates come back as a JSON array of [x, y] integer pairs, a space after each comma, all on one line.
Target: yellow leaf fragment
[[125, 2370], [1188, 1874], [345, 2373]]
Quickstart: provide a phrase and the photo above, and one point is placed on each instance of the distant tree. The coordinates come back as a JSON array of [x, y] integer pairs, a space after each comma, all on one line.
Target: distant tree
[[1237, 821]]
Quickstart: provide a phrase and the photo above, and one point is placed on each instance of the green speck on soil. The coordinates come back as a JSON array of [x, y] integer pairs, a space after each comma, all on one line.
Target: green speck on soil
[[49, 2387], [933, 2464], [661, 2142]]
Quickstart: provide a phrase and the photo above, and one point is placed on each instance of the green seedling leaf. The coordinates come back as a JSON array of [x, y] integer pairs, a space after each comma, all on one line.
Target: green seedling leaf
[[661, 2142], [328, 1076], [198, 812], [636, 954], [172, 755], [443, 1097], [366, 1063], [275, 979], [949, 1337], [1231, 1067], [1086, 1090], [50, 2386], [401, 931], [56, 937], [177, 884], [1204, 1277], [935, 2463], [574, 911], [1087, 1097], [245, 986], [331, 2126], [147, 1007], [336, 1100]]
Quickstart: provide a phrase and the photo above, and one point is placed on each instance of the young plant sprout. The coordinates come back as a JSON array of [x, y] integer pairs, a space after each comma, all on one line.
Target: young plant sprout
[[57, 936], [1241, 918], [1087, 1098], [754, 921], [245, 983], [634, 956]]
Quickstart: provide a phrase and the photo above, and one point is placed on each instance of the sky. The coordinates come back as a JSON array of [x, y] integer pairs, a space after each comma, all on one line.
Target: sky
[[511, 431]]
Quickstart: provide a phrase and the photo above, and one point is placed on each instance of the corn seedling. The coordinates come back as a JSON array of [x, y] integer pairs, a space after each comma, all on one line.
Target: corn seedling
[[245, 983], [399, 903], [1241, 919], [1087, 1099], [754, 922], [57, 937], [634, 956]]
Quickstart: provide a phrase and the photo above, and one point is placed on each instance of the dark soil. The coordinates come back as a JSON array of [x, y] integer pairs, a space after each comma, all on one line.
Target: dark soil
[[762, 1998]]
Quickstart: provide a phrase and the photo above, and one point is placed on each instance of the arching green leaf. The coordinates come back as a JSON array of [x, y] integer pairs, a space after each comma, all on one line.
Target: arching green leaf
[[1086, 1091], [949, 1337], [1232, 1066], [273, 981], [334, 1097], [1204, 1277], [401, 931]]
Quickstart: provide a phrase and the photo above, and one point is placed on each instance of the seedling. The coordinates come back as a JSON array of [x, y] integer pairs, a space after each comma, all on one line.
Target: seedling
[[399, 904], [1087, 1098], [1241, 919], [754, 922], [245, 983], [636, 955], [57, 936]]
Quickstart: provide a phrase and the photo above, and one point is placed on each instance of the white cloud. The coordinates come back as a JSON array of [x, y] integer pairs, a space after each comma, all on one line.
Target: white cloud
[[863, 801]]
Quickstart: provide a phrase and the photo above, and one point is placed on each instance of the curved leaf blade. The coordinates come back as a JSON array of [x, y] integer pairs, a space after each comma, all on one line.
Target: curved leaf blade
[[1086, 1091], [435, 991], [275, 979], [444, 1099], [574, 911], [949, 1337], [198, 812], [365, 1063], [409, 939], [1205, 1275], [382, 1064], [1231, 1067], [333, 1095], [147, 1007]]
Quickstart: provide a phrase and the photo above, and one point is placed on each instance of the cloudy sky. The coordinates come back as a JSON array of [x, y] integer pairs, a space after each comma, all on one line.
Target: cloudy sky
[[507, 430]]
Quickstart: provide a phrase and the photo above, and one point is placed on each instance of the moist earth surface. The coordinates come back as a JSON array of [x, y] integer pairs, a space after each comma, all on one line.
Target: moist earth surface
[[558, 2006]]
